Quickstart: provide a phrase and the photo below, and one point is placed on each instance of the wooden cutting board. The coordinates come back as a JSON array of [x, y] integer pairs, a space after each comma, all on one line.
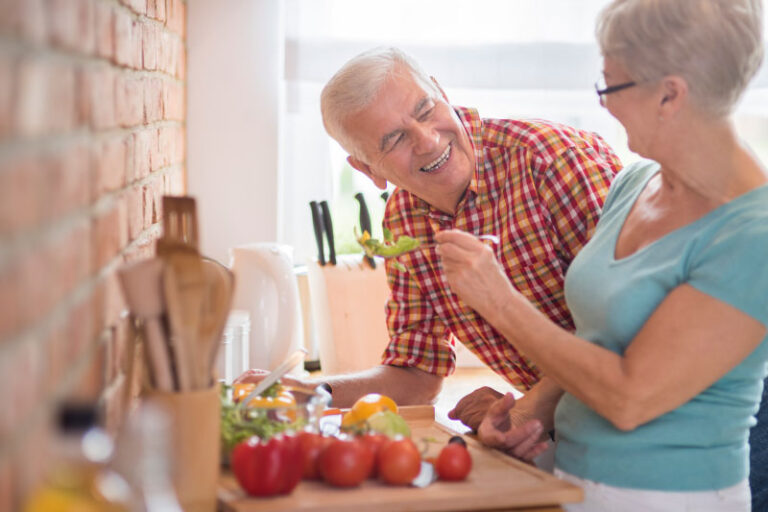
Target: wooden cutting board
[[495, 482]]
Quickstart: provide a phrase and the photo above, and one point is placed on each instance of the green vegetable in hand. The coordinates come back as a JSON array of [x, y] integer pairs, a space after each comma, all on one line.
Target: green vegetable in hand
[[388, 248]]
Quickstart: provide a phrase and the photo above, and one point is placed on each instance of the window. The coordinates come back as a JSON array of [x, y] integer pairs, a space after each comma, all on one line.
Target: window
[[506, 58]]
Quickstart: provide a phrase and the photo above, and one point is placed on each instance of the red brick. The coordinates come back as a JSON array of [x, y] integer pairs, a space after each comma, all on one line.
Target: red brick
[[135, 211], [71, 24], [174, 101], [181, 62], [161, 12], [46, 99], [32, 459], [150, 42], [142, 144], [32, 25], [129, 97], [175, 182], [62, 98], [110, 165], [104, 19], [154, 92], [68, 180], [8, 499], [7, 93], [176, 15], [11, 318], [157, 160], [89, 383], [181, 145], [137, 6], [22, 181], [124, 38], [101, 88], [166, 59], [108, 236]]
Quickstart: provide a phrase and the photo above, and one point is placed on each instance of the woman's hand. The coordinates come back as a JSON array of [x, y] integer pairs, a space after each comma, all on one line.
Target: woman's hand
[[510, 433], [472, 271]]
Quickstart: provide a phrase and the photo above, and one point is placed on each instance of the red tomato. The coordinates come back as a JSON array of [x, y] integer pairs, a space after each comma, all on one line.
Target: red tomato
[[399, 461], [373, 441], [453, 463], [312, 444], [267, 468], [345, 463]]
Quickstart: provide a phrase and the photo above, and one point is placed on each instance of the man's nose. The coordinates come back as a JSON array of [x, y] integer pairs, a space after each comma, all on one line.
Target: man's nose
[[427, 139]]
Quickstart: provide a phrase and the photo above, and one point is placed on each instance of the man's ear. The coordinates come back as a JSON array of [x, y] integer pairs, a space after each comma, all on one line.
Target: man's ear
[[366, 169], [434, 81]]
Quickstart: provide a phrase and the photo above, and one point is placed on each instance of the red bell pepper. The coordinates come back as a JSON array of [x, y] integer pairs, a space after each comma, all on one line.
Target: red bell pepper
[[266, 468]]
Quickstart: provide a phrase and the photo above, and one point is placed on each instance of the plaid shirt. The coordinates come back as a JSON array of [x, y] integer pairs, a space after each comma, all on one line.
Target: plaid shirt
[[540, 187]]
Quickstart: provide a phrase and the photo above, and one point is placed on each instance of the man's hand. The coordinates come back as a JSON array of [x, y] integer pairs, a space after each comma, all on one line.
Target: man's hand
[[471, 409], [255, 376], [511, 433]]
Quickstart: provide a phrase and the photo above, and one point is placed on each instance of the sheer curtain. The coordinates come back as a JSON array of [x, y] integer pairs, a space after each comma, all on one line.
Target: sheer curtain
[[522, 58]]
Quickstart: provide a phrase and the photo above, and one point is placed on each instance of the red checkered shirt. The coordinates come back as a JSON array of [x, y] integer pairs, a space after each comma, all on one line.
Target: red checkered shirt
[[540, 187]]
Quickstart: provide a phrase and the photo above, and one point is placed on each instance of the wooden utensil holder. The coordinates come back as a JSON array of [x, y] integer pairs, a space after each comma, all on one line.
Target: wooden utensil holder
[[195, 423]]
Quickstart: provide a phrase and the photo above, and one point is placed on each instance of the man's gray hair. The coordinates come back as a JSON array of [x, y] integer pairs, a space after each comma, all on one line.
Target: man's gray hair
[[355, 85], [715, 45]]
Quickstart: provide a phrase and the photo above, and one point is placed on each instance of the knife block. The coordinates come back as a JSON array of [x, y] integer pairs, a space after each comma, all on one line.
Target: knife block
[[348, 302]]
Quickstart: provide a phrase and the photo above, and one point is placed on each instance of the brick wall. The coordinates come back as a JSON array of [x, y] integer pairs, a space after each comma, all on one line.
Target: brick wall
[[92, 134]]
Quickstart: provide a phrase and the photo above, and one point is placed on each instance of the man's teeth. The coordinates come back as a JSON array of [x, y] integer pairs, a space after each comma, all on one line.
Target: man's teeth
[[439, 161]]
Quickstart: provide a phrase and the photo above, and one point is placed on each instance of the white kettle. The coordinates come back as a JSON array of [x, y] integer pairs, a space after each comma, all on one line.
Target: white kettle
[[266, 287]]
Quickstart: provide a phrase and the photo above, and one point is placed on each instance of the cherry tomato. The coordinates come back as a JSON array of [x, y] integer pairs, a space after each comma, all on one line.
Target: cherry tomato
[[454, 462], [312, 444], [373, 441], [345, 462], [265, 468], [399, 461]]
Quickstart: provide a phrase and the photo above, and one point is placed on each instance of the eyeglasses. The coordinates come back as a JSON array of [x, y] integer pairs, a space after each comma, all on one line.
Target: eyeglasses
[[602, 90]]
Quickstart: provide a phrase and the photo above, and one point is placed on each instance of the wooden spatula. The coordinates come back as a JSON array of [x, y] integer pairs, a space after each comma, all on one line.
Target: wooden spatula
[[184, 286], [219, 287], [143, 290]]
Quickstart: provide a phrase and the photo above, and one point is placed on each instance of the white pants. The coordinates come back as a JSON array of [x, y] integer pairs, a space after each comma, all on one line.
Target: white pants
[[605, 498]]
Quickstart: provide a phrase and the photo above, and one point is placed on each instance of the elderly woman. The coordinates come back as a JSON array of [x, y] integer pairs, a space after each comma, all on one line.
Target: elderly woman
[[664, 374]]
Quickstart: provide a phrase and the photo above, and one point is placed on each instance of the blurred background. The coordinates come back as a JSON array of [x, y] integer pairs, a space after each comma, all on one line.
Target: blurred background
[[107, 105]]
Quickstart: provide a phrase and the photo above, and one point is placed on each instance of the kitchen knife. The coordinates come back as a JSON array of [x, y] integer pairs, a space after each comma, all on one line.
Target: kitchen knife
[[317, 222], [365, 223], [328, 225], [295, 358]]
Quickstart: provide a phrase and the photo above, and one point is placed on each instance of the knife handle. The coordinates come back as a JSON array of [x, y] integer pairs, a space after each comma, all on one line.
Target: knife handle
[[328, 232], [317, 222], [365, 223], [365, 218]]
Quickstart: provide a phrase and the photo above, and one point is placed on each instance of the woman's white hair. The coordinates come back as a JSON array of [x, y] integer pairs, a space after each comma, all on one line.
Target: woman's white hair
[[715, 45], [356, 84]]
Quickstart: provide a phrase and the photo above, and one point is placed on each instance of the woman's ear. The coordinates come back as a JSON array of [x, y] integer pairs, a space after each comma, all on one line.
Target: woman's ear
[[366, 169], [674, 95]]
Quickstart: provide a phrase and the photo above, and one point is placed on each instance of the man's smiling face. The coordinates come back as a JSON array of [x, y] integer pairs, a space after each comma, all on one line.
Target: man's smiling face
[[410, 136]]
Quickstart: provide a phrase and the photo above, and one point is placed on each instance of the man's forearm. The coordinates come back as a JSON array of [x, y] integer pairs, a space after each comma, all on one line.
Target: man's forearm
[[406, 386]]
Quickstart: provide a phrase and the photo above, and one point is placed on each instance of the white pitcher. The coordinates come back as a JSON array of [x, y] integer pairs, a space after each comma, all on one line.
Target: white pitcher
[[266, 288]]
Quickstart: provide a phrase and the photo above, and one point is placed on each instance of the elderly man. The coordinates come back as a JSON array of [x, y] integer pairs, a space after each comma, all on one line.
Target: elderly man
[[535, 185]]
